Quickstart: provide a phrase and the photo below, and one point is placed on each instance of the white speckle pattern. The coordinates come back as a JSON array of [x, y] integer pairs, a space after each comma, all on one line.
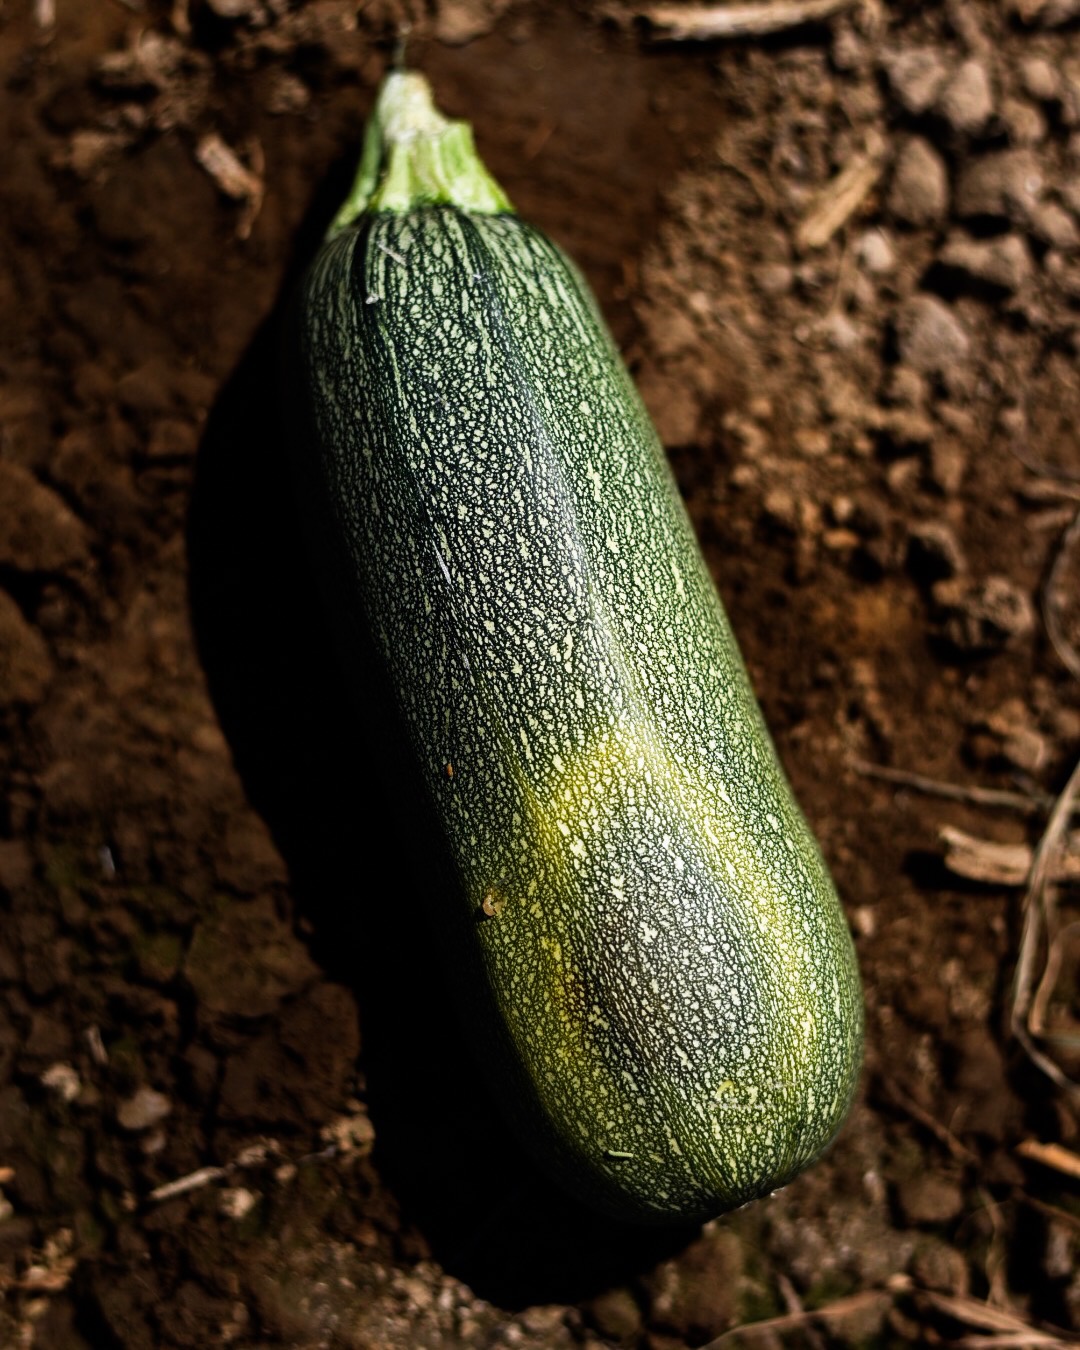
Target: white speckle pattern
[[670, 961]]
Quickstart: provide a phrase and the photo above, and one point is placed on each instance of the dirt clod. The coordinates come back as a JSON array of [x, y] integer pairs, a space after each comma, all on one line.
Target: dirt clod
[[936, 1265], [615, 1315], [38, 533], [983, 616], [930, 1198], [934, 552], [25, 663]]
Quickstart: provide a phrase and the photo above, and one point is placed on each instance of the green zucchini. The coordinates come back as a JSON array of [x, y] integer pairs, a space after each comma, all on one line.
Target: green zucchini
[[652, 957]]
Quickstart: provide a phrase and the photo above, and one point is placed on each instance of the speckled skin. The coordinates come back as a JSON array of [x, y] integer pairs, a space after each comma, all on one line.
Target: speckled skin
[[663, 983]]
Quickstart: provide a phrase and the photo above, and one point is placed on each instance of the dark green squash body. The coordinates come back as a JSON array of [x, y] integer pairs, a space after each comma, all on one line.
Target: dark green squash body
[[664, 985]]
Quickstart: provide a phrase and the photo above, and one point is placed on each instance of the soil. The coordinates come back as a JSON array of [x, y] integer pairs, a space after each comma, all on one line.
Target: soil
[[843, 262]]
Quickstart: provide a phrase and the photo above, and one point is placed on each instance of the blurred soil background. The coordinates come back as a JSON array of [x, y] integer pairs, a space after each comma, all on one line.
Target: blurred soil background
[[843, 262]]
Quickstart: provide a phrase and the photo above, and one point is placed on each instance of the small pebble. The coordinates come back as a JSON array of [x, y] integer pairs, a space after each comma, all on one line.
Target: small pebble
[[544, 1320], [1069, 111], [935, 1265], [780, 508], [1070, 194], [153, 1142], [1023, 123], [839, 540], [840, 332], [742, 476], [967, 101], [842, 509], [905, 388], [616, 1315], [916, 77], [875, 253], [1039, 78], [930, 337], [919, 194], [1002, 262], [848, 49], [1053, 225], [63, 1081], [143, 1109], [901, 476], [1006, 185], [906, 431], [457, 24], [812, 442], [288, 94], [948, 464], [237, 1201], [774, 278]]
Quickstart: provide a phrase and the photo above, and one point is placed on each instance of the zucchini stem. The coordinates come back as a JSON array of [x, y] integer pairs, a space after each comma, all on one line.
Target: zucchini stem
[[414, 156]]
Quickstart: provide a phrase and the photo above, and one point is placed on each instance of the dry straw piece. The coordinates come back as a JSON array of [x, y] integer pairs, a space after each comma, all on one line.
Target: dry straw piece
[[681, 23]]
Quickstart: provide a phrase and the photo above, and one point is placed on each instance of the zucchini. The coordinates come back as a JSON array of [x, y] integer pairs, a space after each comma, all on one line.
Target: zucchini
[[652, 957]]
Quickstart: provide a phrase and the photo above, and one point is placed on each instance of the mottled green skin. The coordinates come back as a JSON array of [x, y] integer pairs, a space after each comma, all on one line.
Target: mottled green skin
[[672, 1008]]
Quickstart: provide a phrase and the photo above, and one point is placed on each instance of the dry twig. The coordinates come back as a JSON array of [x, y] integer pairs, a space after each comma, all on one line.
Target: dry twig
[[843, 1307], [193, 1181], [234, 178], [681, 22], [997, 864], [1028, 1339], [794, 1305], [1048, 489], [985, 860], [1051, 595], [1007, 1329], [842, 197], [349, 1135], [1061, 1159], [995, 1261], [1040, 918], [1028, 803], [1037, 1018], [940, 1132], [1050, 1211]]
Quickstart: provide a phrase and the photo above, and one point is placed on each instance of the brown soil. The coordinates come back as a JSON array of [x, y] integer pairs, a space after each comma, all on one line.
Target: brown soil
[[214, 952]]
